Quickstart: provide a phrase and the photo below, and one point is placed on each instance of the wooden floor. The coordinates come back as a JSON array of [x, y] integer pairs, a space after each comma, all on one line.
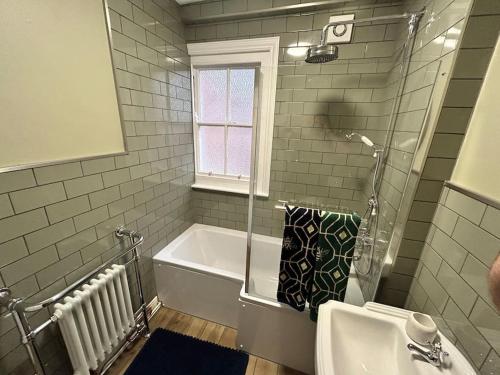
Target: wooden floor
[[202, 329]]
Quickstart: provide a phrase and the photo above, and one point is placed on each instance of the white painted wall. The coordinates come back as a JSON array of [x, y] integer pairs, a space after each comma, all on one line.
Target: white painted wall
[[478, 165]]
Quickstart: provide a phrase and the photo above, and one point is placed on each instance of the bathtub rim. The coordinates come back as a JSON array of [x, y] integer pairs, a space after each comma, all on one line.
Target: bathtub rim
[[165, 255], [268, 303]]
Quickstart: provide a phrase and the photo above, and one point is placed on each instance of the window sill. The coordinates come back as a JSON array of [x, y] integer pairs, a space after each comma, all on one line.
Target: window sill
[[218, 188]]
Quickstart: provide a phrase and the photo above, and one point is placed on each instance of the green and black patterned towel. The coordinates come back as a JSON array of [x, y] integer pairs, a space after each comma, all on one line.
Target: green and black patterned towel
[[298, 255], [337, 237]]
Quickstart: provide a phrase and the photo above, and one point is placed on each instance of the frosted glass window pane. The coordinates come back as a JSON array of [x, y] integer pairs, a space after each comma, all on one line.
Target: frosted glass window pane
[[212, 96], [212, 149], [242, 94], [239, 143]]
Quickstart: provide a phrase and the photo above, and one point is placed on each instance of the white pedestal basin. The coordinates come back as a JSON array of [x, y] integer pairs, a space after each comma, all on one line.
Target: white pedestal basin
[[368, 340]]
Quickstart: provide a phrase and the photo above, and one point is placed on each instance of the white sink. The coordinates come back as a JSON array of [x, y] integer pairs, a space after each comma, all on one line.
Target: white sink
[[352, 340]]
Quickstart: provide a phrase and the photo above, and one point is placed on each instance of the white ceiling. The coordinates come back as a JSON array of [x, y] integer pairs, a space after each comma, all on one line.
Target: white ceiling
[[184, 2]]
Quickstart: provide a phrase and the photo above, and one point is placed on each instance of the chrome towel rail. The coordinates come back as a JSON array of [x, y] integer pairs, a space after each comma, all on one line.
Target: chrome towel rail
[[281, 206], [18, 307], [362, 239], [120, 232]]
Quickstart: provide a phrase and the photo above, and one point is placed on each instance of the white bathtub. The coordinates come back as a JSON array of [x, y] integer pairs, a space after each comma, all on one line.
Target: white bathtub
[[202, 273]]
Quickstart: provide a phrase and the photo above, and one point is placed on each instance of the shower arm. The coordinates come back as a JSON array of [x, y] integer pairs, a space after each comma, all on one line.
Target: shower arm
[[412, 16]]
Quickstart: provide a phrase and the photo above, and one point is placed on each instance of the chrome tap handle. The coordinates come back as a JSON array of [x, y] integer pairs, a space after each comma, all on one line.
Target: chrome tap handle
[[437, 350], [442, 356], [434, 356]]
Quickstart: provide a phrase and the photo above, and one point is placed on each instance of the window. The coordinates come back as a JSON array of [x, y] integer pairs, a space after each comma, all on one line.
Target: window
[[234, 85], [224, 117]]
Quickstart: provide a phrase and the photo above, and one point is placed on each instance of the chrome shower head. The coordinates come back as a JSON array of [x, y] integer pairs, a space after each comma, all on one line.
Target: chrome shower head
[[322, 53]]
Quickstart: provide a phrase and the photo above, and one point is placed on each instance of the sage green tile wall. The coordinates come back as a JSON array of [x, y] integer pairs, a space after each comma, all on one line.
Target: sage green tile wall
[[316, 106], [57, 222], [451, 279], [479, 36]]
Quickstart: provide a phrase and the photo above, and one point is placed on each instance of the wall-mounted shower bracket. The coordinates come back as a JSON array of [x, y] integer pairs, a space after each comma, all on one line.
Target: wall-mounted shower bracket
[[5, 297], [373, 205]]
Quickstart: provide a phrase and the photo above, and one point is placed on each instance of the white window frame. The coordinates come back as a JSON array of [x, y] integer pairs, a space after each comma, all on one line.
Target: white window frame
[[261, 52], [227, 182]]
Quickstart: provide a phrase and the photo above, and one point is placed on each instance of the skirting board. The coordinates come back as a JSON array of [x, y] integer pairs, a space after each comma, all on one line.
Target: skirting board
[[153, 307]]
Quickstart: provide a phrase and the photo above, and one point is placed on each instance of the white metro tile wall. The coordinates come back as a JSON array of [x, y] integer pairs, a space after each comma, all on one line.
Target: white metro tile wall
[[57, 222], [451, 284]]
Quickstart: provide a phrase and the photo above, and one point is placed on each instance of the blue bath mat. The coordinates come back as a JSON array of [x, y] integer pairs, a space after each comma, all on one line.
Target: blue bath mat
[[171, 353]]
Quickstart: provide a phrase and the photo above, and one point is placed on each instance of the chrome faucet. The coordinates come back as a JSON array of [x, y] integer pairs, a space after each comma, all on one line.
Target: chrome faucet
[[435, 356]]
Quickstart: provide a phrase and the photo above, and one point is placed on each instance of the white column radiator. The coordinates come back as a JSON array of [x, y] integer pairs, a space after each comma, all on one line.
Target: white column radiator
[[96, 319]]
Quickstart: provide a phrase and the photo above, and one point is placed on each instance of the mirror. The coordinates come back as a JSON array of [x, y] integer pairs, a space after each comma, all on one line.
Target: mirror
[[57, 86]]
